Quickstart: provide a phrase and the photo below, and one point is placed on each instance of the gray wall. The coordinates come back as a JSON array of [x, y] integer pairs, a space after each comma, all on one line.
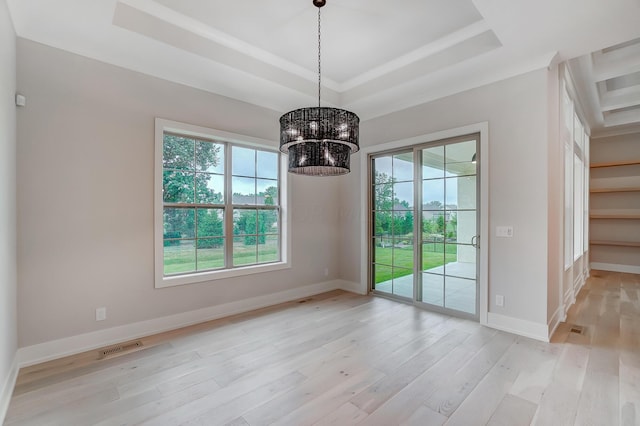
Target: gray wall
[[85, 197], [8, 319], [517, 112], [85, 193]]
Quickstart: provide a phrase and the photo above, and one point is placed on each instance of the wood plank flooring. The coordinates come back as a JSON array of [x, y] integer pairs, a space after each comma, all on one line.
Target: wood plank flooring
[[343, 359]]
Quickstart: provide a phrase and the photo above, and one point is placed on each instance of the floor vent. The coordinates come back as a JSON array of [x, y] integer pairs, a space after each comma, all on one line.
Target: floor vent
[[118, 349], [578, 329]]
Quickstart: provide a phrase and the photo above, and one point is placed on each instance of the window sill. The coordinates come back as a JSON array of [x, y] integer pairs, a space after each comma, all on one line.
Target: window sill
[[163, 282]]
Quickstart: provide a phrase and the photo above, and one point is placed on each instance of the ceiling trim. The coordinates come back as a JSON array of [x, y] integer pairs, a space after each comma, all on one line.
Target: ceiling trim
[[479, 42], [171, 17], [410, 58]]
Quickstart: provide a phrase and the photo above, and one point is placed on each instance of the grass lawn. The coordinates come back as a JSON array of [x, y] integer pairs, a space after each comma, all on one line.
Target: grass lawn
[[181, 259], [402, 259]]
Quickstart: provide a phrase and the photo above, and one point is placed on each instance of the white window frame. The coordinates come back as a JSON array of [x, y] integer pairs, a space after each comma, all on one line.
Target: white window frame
[[575, 137], [567, 127], [568, 207], [162, 281], [586, 161], [578, 201]]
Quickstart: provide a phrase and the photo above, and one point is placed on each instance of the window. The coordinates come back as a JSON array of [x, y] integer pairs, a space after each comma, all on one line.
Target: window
[[578, 195], [576, 145], [219, 205], [567, 138], [578, 187], [568, 207], [585, 219]]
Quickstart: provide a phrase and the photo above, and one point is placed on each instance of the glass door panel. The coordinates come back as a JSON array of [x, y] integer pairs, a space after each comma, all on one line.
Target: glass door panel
[[433, 162], [449, 227], [393, 210]]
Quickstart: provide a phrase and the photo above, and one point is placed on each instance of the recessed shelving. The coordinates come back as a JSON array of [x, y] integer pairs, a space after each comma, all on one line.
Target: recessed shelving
[[614, 202]]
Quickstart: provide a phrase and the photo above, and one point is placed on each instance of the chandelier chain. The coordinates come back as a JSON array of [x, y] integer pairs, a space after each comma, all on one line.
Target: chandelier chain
[[319, 68]]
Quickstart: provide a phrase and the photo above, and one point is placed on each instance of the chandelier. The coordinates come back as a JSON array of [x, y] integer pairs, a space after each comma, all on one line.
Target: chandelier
[[319, 140]]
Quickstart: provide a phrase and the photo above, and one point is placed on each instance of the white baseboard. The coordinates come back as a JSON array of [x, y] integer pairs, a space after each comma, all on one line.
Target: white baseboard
[[518, 326], [55, 349], [569, 298], [629, 269], [558, 316], [578, 282], [7, 389], [352, 287]]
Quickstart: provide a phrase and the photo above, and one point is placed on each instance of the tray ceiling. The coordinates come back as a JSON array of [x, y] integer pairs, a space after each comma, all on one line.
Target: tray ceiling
[[609, 83], [377, 56]]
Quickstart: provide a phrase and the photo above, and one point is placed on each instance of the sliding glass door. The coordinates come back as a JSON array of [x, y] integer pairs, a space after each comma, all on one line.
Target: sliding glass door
[[424, 225]]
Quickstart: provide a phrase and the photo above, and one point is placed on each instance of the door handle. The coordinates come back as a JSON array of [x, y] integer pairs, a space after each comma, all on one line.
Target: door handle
[[475, 241]]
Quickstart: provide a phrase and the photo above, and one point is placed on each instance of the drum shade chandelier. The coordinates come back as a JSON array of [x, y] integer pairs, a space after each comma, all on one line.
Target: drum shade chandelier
[[319, 140]]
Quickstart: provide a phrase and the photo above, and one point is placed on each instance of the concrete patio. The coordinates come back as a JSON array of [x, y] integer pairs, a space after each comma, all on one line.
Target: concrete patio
[[451, 286]]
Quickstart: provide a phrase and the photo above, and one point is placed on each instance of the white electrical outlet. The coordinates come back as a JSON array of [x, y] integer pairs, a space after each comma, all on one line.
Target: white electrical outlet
[[504, 231], [101, 314], [326, 272], [499, 300]]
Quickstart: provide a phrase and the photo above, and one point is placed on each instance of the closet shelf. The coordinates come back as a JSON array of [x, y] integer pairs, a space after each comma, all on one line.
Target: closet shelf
[[615, 243], [622, 189], [615, 216], [615, 163]]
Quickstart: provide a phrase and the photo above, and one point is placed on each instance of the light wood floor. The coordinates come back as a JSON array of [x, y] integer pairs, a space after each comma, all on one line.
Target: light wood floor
[[344, 359]]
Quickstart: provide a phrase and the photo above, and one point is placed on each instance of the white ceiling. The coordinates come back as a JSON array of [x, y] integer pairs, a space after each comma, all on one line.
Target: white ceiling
[[609, 82], [378, 56]]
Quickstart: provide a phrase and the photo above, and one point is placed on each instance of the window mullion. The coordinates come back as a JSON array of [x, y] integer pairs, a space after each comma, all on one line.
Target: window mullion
[[417, 224], [193, 205], [228, 209]]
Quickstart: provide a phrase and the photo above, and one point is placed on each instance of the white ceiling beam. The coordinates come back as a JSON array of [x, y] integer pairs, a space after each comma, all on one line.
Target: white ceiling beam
[[616, 100], [616, 63], [616, 131], [622, 118], [447, 42]]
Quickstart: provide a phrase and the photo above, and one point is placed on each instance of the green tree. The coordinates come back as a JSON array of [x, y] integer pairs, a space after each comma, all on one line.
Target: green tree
[[247, 224], [178, 223], [253, 225], [452, 226], [210, 228], [187, 164], [408, 223], [429, 226], [270, 195], [440, 224], [383, 203]]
